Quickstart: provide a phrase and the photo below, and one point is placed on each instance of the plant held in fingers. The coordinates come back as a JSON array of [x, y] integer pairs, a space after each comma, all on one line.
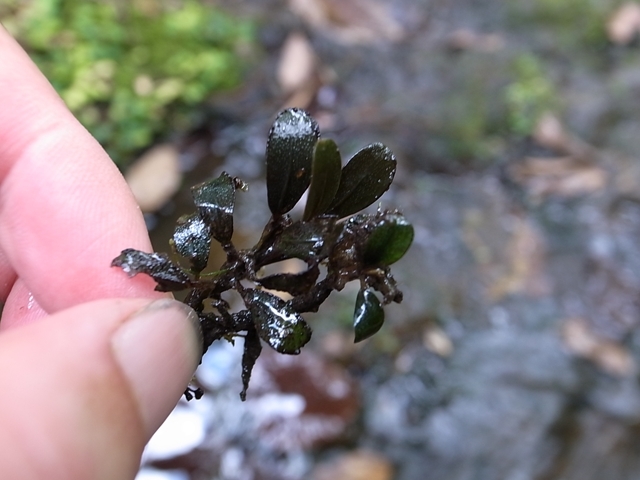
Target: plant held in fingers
[[350, 245]]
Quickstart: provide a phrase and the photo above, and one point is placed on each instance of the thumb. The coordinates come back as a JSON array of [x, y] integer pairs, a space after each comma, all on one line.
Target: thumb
[[82, 391]]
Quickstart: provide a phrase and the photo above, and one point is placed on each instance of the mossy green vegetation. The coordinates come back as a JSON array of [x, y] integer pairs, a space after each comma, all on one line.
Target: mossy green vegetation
[[130, 71], [492, 98], [530, 94]]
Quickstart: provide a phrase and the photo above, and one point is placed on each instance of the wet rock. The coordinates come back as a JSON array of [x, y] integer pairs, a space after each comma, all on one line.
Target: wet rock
[[296, 404], [483, 403], [155, 474], [324, 401], [181, 432]]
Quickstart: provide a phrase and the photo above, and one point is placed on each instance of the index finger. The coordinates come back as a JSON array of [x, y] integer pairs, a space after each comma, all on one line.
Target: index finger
[[65, 210]]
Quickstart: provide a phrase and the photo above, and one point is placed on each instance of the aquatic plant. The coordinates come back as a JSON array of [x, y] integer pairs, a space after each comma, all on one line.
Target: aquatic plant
[[331, 237]]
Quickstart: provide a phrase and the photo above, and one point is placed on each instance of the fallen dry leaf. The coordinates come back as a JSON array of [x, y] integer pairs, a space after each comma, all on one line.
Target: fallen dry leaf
[[437, 341], [606, 354], [509, 252], [465, 39], [297, 63], [525, 260], [550, 133], [624, 23], [350, 21], [155, 177], [563, 176], [299, 74], [358, 465]]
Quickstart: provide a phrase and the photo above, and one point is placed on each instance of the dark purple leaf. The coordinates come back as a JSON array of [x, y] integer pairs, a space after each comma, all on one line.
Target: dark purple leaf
[[169, 276]]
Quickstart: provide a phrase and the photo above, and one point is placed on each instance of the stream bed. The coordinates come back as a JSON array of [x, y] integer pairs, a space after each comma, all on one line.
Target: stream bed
[[515, 352]]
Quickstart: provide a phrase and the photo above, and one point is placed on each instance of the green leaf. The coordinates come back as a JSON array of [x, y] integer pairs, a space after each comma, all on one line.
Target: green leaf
[[192, 240], [364, 179], [283, 329], [389, 241], [325, 178], [368, 316], [303, 240], [289, 158], [215, 200]]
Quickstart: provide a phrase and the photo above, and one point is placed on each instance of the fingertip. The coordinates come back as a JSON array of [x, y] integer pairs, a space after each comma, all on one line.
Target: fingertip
[[85, 388], [159, 349]]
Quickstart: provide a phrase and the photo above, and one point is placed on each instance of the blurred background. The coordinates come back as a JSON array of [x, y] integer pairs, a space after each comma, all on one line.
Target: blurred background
[[516, 125]]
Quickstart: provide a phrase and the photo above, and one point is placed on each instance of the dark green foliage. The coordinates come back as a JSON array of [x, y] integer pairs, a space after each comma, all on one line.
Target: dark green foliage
[[364, 179], [252, 350], [215, 201], [276, 323], [389, 241], [289, 158], [359, 248], [192, 240], [368, 315], [325, 178], [303, 240]]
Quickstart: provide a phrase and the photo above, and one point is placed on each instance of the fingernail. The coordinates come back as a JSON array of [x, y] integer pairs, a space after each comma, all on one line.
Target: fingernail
[[158, 349]]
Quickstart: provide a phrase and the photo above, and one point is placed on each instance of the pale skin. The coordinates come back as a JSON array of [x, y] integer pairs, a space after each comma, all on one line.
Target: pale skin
[[88, 370]]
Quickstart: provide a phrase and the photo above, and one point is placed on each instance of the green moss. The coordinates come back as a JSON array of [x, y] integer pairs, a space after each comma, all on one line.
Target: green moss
[[489, 99], [130, 71], [529, 95]]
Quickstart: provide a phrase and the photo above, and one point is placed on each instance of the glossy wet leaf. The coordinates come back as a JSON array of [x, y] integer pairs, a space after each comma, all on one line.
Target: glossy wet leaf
[[389, 241], [215, 201], [368, 316], [303, 240], [357, 248], [192, 240], [283, 329], [325, 178], [169, 276], [364, 179], [289, 158], [252, 350]]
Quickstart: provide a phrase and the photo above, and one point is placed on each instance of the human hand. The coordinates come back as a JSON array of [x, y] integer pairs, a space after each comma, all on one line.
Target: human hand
[[91, 362]]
